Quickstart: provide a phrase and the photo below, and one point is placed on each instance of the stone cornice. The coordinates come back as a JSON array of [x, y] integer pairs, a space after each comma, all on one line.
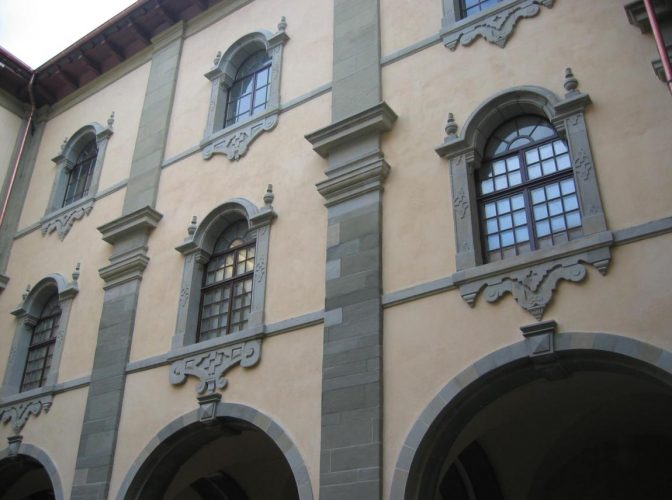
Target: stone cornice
[[130, 268], [142, 220], [354, 182], [379, 118]]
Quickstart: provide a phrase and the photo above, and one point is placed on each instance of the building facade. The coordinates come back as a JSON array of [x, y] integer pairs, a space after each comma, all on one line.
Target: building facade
[[360, 249]]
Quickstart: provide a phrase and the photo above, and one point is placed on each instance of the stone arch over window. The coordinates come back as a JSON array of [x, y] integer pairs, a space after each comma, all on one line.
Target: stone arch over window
[[511, 367], [51, 290], [466, 155], [21, 458], [167, 451], [238, 228], [258, 53], [78, 165]]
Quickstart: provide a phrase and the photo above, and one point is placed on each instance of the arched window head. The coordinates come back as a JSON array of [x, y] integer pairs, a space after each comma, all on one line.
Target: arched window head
[[42, 343], [249, 91], [226, 295], [526, 191], [245, 93], [79, 177]]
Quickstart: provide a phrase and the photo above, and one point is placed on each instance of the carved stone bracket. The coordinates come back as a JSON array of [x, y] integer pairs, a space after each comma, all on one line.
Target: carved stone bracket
[[234, 144], [62, 223], [211, 366], [18, 413], [496, 26], [540, 344], [532, 283]]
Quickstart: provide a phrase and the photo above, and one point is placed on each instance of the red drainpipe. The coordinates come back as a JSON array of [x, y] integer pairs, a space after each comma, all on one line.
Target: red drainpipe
[[21, 148], [660, 43]]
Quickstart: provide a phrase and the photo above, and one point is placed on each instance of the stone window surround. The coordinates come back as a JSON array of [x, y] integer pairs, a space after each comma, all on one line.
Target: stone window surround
[[234, 141], [61, 218], [532, 277], [495, 24], [197, 248], [27, 314]]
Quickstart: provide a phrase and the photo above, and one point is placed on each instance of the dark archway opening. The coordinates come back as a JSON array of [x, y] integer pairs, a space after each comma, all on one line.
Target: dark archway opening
[[228, 459], [24, 478], [601, 432]]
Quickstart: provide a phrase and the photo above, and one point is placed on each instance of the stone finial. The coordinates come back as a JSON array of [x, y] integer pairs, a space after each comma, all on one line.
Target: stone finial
[[192, 227], [570, 83], [451, 126], [65, 143], [217, 58], [25, 294], [110, 120], [282, 25], [269, 197], [76, 273]]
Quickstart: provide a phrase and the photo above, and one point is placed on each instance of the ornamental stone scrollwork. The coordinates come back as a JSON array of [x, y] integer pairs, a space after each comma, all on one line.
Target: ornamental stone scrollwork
[[583, 166], [234, 145], [495, 26], [532, 281], [533, 289], [211, 366], [64, 222], [18, 413]]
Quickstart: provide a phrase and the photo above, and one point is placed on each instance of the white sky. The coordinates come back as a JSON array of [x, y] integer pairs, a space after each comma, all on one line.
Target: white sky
[[36, 30]]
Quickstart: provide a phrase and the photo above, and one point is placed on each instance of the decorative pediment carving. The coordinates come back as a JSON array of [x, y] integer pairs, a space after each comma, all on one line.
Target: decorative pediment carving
[[234, 144], [62, 223], [18, 413], [211, 366]]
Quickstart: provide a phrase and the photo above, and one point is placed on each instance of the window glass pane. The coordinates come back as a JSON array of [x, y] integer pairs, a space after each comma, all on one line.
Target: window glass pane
[[534, 171], [548, 166], [571, 203], [490, 210], [522, 234], [520, 142], [543, 228], [538, 195], [491, 226], [507, 238], [567, 186], [563, 162], [514, 179], [573, 219], [532, 156], [560, 147], [487, 186], [552, 191], [512, 163], [519, 218], [542, 131], [500, 183], [262, 77], [499, 167], [517, 202], [540, 212], [503, 206], [555, 207], [558, 223], [505, 222], [493, 242], [546, 151]]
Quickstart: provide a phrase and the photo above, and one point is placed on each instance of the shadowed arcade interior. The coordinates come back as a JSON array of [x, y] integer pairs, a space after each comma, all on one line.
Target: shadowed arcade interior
[[599, 431], [24, 478], [227, 459]]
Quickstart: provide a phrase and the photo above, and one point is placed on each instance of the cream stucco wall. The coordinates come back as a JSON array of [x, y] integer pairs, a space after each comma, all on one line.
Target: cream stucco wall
[[405, 22], [125, 97], [295, 274], [309, 26], [151, 403], [34, 257], [56, 433], [626, 111], [10, 126]]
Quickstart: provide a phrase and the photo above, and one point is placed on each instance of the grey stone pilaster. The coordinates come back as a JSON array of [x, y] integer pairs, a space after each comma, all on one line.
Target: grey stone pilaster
[[19, 192], [143, 182], [129, 235], [95, 457], [356, 74], [352, 367]]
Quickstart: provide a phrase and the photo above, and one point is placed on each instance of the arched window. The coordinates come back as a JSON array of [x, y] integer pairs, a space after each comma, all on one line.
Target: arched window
[[245, 93], [527, 210], [79, 177], [526, 191], [42, 343], [224, 277], [226, 295], [37, 346], [249, 91]]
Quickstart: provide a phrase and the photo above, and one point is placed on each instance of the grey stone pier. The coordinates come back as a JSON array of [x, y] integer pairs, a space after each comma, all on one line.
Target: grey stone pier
[[352, 370], [129, 236]]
